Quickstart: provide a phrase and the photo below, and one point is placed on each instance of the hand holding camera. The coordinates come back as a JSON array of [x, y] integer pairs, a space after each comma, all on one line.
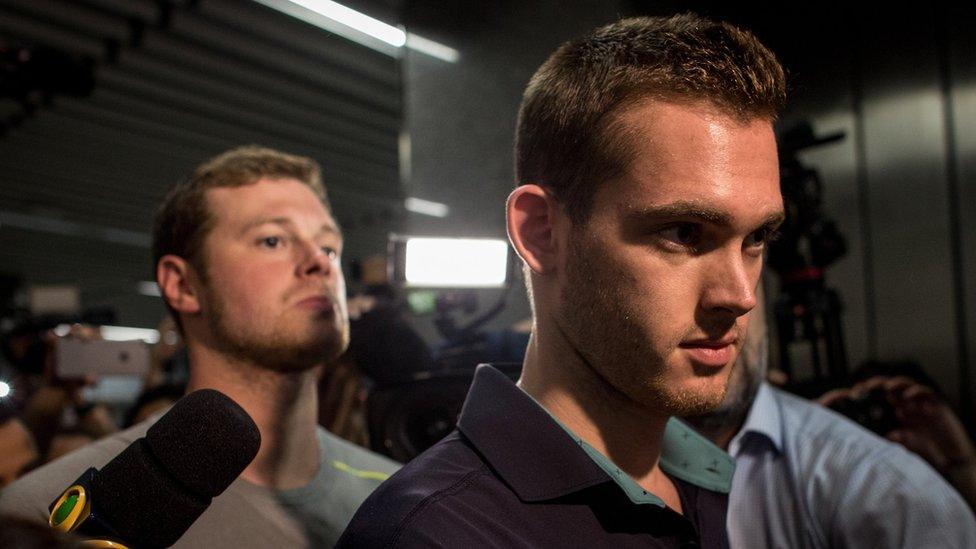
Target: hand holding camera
[[907, 412]]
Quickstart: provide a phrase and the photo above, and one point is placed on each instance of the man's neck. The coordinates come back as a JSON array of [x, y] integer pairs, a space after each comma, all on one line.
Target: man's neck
[[283, 405], [720, 428], [625, 431], [722, 425]]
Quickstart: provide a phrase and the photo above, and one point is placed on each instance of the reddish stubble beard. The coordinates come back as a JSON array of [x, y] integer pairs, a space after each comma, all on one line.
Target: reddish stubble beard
[[271, 345], [612, 328]]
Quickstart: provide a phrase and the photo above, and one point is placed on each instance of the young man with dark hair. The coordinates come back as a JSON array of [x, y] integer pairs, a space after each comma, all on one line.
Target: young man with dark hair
[[648, 185], [247, 259]]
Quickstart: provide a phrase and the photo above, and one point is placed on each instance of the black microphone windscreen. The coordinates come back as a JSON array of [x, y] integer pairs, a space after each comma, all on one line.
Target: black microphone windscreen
[[157, 487], [205, 441], [142, 503]]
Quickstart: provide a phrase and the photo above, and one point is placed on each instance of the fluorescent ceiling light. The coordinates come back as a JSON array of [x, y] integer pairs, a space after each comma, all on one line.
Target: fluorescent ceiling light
[[426, 207], [356, 20], [456, 262], [125, 333], [433, 49], [117, 333], [360, 28]]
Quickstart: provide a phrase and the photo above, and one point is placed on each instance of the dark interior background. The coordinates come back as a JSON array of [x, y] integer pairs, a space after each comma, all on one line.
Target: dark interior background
[[176, 82]]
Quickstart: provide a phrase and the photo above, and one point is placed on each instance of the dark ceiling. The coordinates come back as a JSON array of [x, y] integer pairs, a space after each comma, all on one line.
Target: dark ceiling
[[172, 83]]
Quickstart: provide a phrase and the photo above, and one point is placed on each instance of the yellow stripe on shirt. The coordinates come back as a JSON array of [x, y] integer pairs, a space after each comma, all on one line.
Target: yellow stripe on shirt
[[374, 475]]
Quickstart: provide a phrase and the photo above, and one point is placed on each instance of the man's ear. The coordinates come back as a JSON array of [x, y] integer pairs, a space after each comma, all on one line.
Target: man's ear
[[530, 216], [174, 276]]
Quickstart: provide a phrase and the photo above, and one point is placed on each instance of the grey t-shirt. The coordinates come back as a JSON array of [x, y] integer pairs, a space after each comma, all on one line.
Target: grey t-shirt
[[245, 515]]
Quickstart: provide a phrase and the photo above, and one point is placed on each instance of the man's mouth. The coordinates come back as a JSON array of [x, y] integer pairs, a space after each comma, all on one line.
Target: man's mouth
[[316, 303], [710, 352]]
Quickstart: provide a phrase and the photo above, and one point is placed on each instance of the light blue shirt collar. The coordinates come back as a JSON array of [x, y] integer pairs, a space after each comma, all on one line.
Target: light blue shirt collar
[[765, 418]]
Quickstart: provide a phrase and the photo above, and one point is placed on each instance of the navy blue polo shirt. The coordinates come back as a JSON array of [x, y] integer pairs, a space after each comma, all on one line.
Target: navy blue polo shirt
[[511, 476]]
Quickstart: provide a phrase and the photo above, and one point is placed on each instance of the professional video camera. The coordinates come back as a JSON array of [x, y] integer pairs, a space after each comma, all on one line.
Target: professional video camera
[[807, 310], [444, 277]]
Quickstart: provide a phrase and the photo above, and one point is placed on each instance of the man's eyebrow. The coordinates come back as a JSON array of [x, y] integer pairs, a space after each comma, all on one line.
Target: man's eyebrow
[[326, 228], [681, 209], [774, 220], [329, 228], [265, 221], [686, 209]]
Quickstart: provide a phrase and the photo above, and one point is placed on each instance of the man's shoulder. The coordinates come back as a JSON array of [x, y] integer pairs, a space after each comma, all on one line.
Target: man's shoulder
[[431, 485], [814, 428], [344, 455], [30, 495], [854, 472]]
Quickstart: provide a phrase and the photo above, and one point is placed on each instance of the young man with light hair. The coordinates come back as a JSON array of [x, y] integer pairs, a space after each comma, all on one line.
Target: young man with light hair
[[247, 259]]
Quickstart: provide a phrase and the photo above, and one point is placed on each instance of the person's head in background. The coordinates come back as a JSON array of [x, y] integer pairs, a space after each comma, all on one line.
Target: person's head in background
[[247, 259], [152, 401], [18, 451], [648, 185], [66, 441]]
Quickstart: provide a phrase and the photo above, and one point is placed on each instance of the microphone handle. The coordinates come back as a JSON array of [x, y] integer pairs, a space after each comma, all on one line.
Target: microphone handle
[[74, 511]]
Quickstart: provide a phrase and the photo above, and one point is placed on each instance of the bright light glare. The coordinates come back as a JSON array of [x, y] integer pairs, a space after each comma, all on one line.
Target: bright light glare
[[4, 389], [456, 262], [117, 333], [125, 333], [359, 21], [426, 207], [325, 14], [148, 288], [361, 28], [431, 48]]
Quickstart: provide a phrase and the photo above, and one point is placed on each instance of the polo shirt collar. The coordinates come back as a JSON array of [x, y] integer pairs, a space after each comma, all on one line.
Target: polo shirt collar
[[521, 442], [764, 419], [561, 464], [688, 455]]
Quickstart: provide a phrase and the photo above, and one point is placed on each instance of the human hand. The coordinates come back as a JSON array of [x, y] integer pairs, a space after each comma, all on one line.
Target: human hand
[[97, 421], [927, 426], [359, 305], [82, 332]]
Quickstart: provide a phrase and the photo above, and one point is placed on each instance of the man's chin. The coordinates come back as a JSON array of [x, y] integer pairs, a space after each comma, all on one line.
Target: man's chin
[[694, 400]]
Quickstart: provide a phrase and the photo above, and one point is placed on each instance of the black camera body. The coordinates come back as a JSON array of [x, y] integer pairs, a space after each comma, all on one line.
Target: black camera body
[[871, 410]]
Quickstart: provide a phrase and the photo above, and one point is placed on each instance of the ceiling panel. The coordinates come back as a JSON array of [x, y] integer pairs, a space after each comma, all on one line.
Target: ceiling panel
[[175, 83]]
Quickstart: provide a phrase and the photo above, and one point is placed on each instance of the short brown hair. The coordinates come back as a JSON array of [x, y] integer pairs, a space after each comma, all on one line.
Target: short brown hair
[[182, 221], [564, 139]]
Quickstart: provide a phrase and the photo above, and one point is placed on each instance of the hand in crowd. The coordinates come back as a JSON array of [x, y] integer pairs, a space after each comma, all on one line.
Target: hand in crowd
[[927, 426], [44, 412]]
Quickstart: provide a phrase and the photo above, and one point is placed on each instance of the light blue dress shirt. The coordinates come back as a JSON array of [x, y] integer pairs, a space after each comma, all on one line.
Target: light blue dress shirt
[[806, 476]]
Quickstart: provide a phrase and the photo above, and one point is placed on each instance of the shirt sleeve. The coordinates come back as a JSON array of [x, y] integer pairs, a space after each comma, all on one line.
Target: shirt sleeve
[[892, 498], [21, 499]]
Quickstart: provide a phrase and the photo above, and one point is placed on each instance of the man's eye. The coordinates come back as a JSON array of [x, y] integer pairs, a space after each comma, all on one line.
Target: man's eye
[[761, 237], [271, 242], [330, 251], [685, 234]]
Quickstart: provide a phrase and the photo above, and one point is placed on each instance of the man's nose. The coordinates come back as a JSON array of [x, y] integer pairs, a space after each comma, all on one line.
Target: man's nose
[[731, 282], [316, 261]]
